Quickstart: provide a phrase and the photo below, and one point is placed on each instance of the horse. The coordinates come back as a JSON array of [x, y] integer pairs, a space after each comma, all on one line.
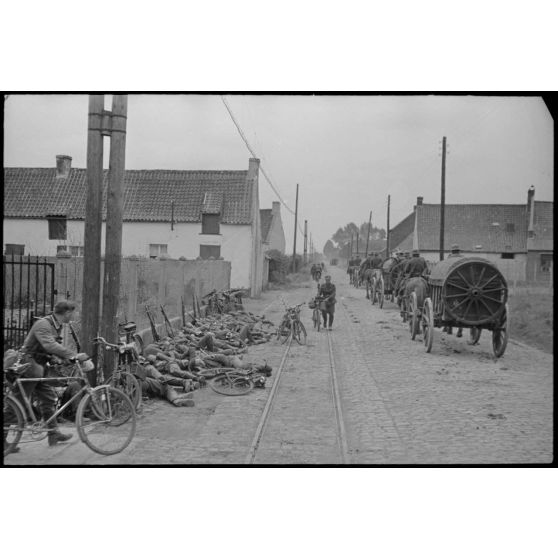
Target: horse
[[370, 277], [419, 286]]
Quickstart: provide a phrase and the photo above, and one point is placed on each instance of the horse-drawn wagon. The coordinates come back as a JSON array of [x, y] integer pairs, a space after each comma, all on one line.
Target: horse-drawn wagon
[[467, 292]]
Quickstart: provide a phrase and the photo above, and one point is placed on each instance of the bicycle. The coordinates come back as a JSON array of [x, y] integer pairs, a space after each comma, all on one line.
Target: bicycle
[[236, 381], [105, 417], [122, 377], [291, 327], [316, 313]]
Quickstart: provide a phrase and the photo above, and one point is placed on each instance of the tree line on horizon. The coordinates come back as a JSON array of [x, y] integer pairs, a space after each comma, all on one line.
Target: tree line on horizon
[[339, 244]]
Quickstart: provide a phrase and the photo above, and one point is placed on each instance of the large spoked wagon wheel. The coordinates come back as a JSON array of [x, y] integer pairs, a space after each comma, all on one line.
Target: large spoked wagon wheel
[[500, 335], [381, 292], [428, 325], [474, 292], [474, 335]]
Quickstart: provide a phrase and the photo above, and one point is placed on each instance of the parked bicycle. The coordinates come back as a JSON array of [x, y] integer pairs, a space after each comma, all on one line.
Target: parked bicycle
[[122, 377], [291, 327], [105, 417]]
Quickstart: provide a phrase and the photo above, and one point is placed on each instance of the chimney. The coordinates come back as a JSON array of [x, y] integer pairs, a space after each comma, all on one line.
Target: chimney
[[275, 208], [531, 211], [63, 166], [419, 200]]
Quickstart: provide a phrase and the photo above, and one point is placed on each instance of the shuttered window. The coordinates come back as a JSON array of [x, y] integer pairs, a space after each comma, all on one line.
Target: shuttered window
[[207, 251], [210, 224]]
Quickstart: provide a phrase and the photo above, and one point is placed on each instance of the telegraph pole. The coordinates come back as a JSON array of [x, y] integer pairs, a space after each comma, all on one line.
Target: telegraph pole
[[443, 200], [357, 242], [305, 240], [93, 225], [387, 239], [115, 210], [368, 234], [296, 223]]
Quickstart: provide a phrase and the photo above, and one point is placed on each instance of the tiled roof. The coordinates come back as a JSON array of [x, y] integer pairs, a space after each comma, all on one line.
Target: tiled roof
[[36, 192], [212, 202], [474, 225], [543, 226], [401, 231], [265, 222]]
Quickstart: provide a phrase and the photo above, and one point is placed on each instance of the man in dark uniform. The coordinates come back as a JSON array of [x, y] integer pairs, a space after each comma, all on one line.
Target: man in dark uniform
[[42, 341], [377, 261], [327, 292], [415, 266]]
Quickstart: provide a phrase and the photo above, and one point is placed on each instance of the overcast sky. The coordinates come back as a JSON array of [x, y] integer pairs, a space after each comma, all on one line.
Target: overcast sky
[[346, 152]]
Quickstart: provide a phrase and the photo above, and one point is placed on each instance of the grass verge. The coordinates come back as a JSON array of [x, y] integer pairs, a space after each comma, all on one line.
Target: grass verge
[[532, 318]]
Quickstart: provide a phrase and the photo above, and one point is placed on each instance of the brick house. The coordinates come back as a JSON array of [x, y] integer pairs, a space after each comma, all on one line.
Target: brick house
[[195, 214]]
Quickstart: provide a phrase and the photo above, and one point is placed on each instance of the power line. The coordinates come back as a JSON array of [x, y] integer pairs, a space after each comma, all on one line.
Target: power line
[[254, 154]]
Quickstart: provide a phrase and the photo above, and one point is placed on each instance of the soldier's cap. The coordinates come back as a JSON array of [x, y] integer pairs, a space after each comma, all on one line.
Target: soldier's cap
[[454, 247], [416, 253], [328, 276]]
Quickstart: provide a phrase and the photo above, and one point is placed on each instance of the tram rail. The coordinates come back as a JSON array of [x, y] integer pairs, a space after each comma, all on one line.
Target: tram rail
[[269, 413]]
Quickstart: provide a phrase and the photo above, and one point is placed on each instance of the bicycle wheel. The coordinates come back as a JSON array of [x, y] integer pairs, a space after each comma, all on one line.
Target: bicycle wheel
[[128, 383], [299, 333], [14, 423], [106, 420], [231, 384], [316, 319], [286, 333]]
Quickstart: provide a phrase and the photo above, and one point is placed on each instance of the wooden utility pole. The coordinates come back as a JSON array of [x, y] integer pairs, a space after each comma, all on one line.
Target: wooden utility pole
[[357, 235], [368, 234], [351, 253], [115, 210], [443, 200], [305, 240], [295, 226], [387, 235], [93, 225]]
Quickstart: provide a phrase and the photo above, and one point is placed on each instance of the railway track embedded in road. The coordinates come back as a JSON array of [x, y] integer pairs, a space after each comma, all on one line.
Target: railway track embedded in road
[[272, 412]]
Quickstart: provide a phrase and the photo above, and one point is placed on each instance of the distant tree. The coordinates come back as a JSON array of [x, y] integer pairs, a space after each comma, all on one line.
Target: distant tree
[[329, 250]]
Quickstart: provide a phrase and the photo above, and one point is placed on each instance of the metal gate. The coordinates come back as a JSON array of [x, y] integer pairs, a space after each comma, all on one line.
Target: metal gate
[[28, 292]]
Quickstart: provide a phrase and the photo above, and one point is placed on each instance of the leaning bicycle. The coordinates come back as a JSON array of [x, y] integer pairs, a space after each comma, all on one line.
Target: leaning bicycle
[[105, 416], [291, 327]]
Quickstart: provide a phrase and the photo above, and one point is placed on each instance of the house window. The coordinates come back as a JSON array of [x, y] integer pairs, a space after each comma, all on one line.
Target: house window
[[61, 248], [546, 262], [210, 224], [56, 228], [76, 251], [155, 250], [508, 256], [14, 249], [510, 227], [207, 251]]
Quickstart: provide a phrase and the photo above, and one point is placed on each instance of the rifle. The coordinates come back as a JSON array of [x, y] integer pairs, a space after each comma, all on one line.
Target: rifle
[[183, 311], [74, 337], [156, 337], [170, 331]]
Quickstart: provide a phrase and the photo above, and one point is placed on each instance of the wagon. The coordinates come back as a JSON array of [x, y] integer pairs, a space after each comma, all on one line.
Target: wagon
[[467, 292]]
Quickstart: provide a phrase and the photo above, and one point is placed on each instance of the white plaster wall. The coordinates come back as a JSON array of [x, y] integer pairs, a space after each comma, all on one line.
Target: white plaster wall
[[184, 240], [276, 236], [33, 233]]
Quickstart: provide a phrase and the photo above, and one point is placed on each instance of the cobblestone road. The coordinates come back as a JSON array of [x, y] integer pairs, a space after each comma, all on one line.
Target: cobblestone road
[[457, 404]]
